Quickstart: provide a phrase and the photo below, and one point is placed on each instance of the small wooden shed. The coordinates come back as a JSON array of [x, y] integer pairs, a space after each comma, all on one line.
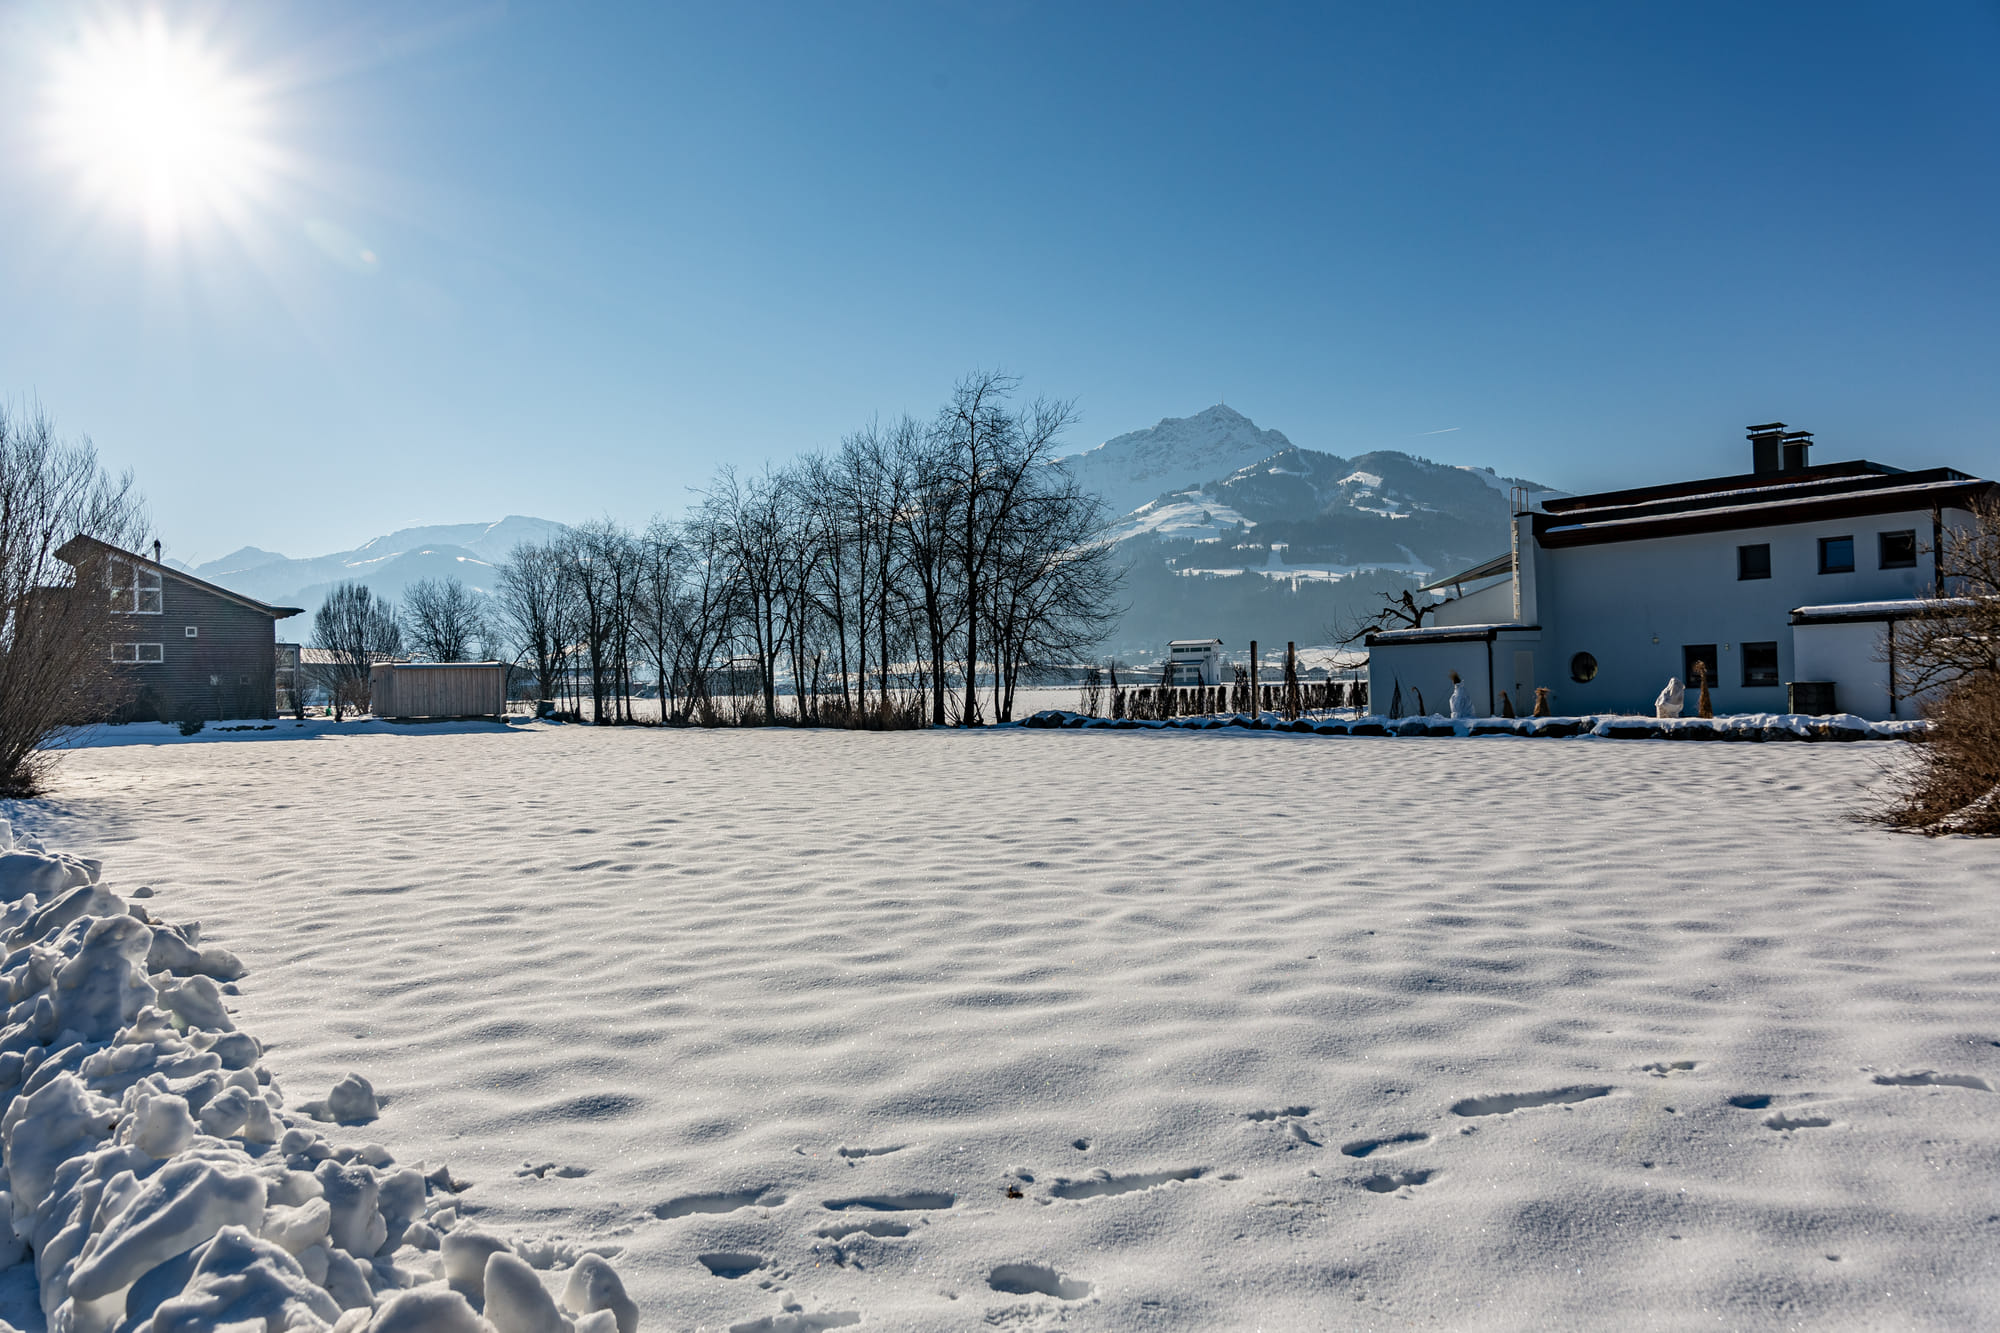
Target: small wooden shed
[[404, 690]]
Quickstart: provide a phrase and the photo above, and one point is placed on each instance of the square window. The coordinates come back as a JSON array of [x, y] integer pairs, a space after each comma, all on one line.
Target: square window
[[1754, 562], [1836, 555], [1703, 653], [1899, 550], [124, 652], [150, 652], [192, 631], [1760, 664]]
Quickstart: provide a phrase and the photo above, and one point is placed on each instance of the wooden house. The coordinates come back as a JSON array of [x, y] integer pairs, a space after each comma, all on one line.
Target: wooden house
[[191, 648]]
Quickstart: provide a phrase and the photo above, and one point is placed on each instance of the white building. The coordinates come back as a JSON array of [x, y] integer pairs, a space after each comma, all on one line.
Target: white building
[[1195, 661], [1784, 580]]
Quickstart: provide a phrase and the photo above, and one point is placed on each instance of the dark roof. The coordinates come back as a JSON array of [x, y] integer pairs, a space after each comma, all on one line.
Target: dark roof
[[79, 548], [1443, 634], [1742, 481], [1835, 490]]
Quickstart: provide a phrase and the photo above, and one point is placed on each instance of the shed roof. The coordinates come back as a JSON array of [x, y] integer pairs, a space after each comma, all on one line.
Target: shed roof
[[80, 548], [1499, 564]]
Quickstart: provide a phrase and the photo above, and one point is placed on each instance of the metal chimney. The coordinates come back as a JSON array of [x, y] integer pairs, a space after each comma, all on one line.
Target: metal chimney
[[1798, 445], [156, 550], [1767, 455]]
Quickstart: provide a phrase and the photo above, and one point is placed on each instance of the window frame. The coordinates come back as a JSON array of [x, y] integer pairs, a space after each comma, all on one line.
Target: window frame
[[1743, 573], [1882, 549], [1689, 658], [132, 584], [1744, 651], [1583, 667], [1826, 568], [139, 657]]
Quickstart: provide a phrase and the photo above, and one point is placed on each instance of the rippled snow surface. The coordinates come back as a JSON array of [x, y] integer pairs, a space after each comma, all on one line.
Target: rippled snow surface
[[1125, 1030]]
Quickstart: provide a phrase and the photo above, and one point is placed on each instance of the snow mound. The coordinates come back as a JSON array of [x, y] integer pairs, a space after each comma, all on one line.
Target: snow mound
[[158, 1184]]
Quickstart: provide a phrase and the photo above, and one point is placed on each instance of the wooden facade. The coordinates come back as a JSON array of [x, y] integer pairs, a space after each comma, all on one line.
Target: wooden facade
[[191, 649], [409, 690]]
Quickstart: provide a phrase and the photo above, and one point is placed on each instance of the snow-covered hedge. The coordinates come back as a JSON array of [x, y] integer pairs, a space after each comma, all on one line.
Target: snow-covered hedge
[[158, 1185], [1735, 727]]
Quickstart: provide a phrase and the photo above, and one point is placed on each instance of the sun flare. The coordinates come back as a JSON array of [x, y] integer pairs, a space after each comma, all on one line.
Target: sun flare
[[155, 124]]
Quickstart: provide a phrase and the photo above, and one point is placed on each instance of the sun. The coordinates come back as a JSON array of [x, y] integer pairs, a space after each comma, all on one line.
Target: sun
[[155, 124]]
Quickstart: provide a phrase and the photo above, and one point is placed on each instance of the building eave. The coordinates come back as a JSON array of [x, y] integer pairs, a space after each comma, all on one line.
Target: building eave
[[79, 548], [1444, 634]]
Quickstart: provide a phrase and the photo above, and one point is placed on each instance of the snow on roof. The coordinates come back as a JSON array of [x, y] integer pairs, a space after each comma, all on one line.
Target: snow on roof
[[1441, 632], [1908, 606], [1759, 506]]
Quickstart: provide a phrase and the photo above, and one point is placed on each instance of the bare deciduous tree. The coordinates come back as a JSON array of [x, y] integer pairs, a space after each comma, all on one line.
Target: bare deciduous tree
[[55, 653], [445, 621], [530, 612], [354, 629]]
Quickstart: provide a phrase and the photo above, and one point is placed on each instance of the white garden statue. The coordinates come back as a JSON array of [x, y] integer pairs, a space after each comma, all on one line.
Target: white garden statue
[[1461, 702], [1671, 699]]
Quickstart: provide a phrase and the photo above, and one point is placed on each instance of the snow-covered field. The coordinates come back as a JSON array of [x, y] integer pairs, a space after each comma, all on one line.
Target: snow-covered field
[[1124, 1030]]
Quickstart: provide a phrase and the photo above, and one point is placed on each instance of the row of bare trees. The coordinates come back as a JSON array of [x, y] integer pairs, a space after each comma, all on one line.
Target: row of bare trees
[[916, 574]]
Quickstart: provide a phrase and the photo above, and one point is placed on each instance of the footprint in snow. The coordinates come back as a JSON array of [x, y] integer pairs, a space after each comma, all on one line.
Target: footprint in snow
[[1036, 1280], [1388, 1182], [1930, 1078], [732, 1264], [543, 1170], [1506, 1102], [1393, 1143], [687, 1205], [1102, 1184], [1286, 1118], [1779, 1120]]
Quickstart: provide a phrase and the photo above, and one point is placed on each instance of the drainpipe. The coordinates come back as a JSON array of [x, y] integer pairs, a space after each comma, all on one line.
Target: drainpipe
[[1937, 551], [1892, 668], [1489, 672]]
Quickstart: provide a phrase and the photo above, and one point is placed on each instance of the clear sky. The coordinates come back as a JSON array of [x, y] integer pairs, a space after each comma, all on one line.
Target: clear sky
[[320, 271]]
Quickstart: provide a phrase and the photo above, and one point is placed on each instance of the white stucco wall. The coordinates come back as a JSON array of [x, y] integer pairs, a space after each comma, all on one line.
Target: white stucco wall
[[1487, 606], [1633, 605], [1851, 656], [1428, 667]]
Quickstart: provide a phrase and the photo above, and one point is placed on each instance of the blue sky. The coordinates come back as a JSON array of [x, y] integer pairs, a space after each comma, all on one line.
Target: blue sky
[[566, 260]]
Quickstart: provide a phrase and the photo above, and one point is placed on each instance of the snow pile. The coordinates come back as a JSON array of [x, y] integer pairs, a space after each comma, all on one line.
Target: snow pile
[[1735, 727], [158, 1183]]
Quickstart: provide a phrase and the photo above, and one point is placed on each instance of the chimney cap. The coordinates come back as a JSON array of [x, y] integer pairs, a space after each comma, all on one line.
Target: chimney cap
[[1766, 429]]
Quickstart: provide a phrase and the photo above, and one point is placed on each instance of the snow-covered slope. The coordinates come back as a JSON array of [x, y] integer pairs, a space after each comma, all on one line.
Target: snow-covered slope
[[1202, 547], [1141, 465]]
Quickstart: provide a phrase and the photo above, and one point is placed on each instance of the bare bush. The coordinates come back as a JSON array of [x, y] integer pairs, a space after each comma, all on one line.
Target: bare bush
[[55, 655], [1953, 783], [1950, 651]]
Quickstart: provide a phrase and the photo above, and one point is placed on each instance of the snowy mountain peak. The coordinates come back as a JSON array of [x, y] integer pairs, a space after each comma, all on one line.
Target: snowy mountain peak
[[1130, 469]]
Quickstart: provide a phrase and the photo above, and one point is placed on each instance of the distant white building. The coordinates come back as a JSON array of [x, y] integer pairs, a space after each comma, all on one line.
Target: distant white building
[[1784, 580], [1195, 661]]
